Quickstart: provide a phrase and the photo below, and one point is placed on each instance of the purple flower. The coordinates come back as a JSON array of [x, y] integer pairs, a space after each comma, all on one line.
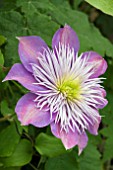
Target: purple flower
[[65, 89]]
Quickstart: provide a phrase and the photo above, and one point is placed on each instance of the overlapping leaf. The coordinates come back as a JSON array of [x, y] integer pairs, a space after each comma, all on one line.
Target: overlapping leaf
[[49, 145], [9, 138], [42, 16], [21, 155], [103, 5]]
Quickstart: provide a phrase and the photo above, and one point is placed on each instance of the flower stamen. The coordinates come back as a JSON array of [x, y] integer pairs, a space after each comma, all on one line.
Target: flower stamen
[[70, 89]]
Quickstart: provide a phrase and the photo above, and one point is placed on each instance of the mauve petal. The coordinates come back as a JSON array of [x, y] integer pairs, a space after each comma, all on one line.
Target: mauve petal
[[55, 129], [29, 50], [69, 139], [93, 128], [28, 113], [66, 36], [102, 102], [100, 65], [83, 139], [105, 102], [20, 74], [103, 92]]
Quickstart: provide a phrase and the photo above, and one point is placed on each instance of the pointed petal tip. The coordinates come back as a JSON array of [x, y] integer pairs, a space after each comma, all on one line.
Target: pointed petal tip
[[21, 38], [6, 79], [67, 36], [21, 75], [66, 148], [96, 133], [3, 80], [66, 25], [80, 151], [22, 124], [18, 38]]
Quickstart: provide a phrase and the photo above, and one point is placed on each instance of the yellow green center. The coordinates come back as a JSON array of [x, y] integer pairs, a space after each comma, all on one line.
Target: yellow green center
[[70, 88]]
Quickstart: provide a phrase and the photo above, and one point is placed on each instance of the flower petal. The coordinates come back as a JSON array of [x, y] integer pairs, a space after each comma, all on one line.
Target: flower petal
[[20, 74], [103, 92], [66, 36], [28, 113], [100, 65], [93, 128], [55, 129], [83, 139], [101, 104], [30, 48], [71, 138]]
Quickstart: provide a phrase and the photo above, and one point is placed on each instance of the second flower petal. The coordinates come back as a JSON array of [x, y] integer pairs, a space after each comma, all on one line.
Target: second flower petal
[[66, 36], [30, 48], [93, 128], [70, 139], [20, 74], [28, 113], [100, 65]]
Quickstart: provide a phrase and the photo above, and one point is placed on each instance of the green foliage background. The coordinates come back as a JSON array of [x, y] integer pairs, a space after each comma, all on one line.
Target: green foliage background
[[30, 148]]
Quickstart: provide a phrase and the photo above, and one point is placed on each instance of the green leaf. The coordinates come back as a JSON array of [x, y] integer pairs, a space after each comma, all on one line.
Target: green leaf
[[9, 138], [20, 127], [108, 148], [11, 25], [63, 162], [10, 168], [90, 159], [102, 22], [21, 156], [6, 5], [51, 17], [45, 22], [63, 2], [105, 6], [1, 164], [107, 112], [48, 19], [49, 145], [109, 77], [1, 59], [2, 40], [107, 131], [5, 110]]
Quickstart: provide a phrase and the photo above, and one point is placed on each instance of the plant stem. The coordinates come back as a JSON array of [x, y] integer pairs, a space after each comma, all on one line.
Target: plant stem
[[33, 166], [4, 118], [10, 89], [20, 87], [29, 137]]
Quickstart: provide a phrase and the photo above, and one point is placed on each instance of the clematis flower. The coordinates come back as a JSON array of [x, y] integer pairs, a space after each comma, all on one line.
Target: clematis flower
[[65, 89]]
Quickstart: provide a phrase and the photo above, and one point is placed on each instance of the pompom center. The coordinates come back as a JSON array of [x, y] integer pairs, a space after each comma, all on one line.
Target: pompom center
[[70, 88]]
